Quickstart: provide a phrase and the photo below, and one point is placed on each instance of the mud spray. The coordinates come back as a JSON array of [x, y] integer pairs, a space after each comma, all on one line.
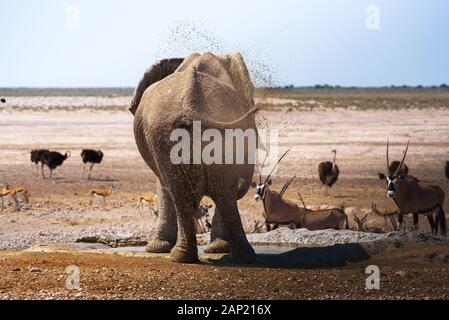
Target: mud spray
[[186, 36]]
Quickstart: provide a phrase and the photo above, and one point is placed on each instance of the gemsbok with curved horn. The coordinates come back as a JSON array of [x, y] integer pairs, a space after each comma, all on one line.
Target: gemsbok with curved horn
[[278, 210], [412, 195], [275, 207]]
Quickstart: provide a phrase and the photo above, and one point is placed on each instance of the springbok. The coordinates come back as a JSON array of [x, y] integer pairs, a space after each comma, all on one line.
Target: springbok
[[22, 192], [387, 215], [10, 193], [150, 200], [101, 193], [202, 213], [257, 227], [412, 195], [361, 225], [278, 210]]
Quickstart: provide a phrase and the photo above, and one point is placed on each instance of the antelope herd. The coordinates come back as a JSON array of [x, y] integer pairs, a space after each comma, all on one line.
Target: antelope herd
[[410, 195], [280, 211]]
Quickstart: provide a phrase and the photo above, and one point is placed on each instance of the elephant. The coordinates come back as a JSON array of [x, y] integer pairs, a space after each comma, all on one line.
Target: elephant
[[173, 94]]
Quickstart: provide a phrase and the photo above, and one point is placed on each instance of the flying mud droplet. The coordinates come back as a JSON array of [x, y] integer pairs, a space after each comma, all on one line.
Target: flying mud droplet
[[186, 36]]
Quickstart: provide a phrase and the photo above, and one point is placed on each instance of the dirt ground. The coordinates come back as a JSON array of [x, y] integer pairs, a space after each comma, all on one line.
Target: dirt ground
[[420, 272], [60, 210]]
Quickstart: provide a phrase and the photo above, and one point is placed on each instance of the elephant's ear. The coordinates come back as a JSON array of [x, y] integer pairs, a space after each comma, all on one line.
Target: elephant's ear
[[153, 74], [241, 79]]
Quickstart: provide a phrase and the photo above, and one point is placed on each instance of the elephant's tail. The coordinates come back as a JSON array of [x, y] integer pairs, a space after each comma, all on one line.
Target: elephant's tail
[[442, 221], [211, 123]]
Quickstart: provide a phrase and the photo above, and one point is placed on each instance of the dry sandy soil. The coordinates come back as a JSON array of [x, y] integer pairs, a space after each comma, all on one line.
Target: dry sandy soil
[[420, 272], [312, 125]]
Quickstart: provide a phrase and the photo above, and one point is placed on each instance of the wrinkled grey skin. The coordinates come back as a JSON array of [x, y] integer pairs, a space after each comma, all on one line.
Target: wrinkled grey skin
[[172, 94]]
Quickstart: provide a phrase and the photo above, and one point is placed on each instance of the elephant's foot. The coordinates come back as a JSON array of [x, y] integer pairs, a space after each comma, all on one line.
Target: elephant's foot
[[218, 246], [243, 254], [159, 246], [184, 254]]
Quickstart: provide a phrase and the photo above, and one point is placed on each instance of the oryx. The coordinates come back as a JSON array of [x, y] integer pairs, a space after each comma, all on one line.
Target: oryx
[[278, 210], [412, 195]]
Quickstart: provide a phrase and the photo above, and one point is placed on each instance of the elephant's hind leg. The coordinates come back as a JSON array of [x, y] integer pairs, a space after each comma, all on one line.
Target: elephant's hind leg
[[166, 229], [219, 240], [241, 250], [185, 250], [186, 204]]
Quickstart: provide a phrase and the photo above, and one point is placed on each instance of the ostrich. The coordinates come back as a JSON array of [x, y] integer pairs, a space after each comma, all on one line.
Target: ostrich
[[328, 172], [36, 157], [3, 100], [394, 165], [92, 157], [53, 159]]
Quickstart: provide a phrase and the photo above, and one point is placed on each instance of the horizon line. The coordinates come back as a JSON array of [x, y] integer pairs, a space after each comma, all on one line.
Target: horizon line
[[290, 86]]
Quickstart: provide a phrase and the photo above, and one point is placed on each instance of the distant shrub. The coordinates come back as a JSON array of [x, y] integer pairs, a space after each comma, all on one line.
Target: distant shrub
[[323, 86]]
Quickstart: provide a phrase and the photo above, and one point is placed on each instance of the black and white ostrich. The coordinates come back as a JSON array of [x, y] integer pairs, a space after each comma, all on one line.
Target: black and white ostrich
[[3, 100], [53, 159], [36, 157], [91, 157], [328, 172], [394, 165]]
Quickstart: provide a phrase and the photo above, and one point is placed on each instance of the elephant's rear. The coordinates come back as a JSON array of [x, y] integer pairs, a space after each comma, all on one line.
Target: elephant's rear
[[169, 127], [173, 105]]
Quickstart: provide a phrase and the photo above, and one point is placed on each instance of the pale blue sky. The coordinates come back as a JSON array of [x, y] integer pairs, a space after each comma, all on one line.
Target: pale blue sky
[[294, 42]]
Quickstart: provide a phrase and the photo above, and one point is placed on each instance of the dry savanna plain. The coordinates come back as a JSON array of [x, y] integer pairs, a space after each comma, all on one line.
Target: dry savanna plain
[[312, 122]]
